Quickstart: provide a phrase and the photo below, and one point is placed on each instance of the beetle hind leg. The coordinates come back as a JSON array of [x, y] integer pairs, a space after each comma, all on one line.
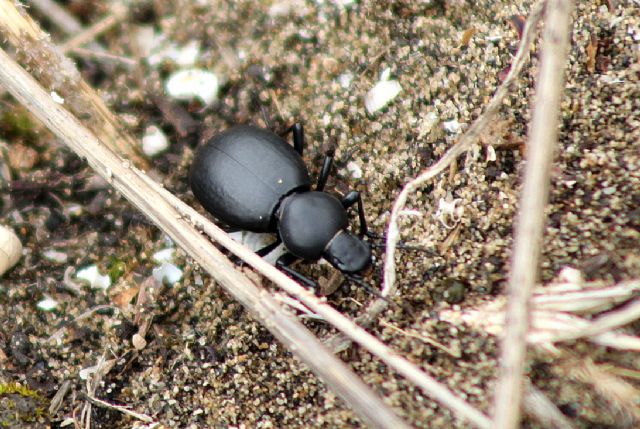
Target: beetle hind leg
[[283, 264], [298, 137]]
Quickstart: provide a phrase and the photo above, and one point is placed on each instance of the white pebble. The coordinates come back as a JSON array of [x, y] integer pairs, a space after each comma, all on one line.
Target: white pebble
[[193, 83], [10, 249], [381, 94], [345, 79], [164, 255], [168, 273], [354, 169], [55, 256], [452, 126], [138, 342], [92, 276], [570, 275], [491, 154], [154, 141], [47, 304]]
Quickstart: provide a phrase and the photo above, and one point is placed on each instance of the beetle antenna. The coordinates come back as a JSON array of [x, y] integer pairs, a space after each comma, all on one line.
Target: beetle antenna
[[366, 286], [378, 242]]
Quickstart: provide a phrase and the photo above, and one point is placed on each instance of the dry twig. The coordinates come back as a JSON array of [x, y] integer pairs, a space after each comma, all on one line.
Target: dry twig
[[118, 13], [530, 221]]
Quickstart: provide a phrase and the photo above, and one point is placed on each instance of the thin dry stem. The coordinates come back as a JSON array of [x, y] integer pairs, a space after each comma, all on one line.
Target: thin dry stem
[[58, 74], [118, 13], [120, 408], [530, 220], [69, 25], [126, 179]]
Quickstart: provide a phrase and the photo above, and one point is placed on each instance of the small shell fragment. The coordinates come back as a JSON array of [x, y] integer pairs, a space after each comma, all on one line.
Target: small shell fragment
[[168, 273], [193, 83], [452, 126], [55, 256], [47, 304], [154, 141], [354, 169], [382, 93], [138, 342], [10, 249], [164, 255], [96, 280]]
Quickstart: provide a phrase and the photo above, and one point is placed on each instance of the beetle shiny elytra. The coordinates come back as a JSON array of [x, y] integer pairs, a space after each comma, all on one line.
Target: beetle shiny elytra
[[250, 178]]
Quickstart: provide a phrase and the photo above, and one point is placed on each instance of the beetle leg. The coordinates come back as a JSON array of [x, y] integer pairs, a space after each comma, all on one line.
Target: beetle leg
[[268, 248], [325, 172], [283, 263], [350, 199], [298, 137]]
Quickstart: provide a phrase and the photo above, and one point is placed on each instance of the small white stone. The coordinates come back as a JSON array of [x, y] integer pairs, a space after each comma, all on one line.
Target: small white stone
[[10, 249], [452, 126], [382, 93], [491, 154], [354, 169], [55, 256], [164, 255], [154, 141], [343, 3], [345, 79], [193, 83], [74, 209], [92, 276], [56, 98], [138, 342], [186, 55], [570, 275], [168, 273], [47, 304]]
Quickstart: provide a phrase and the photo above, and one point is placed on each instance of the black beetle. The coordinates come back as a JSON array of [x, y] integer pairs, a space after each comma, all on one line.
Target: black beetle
[[250, 178]]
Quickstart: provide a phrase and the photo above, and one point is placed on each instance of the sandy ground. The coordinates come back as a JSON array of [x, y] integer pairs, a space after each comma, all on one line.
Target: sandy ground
[[206, 363]]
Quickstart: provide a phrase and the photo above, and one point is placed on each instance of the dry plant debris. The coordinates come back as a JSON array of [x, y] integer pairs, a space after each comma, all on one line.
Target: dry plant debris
[[206, 362]]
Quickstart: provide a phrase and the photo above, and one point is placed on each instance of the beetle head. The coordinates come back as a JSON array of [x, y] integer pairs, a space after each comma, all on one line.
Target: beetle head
[[348, 253]]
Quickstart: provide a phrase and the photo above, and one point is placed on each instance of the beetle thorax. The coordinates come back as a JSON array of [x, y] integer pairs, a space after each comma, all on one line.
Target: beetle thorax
[[308, 221]]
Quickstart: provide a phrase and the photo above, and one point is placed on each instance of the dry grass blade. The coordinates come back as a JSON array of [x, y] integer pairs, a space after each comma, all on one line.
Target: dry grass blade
[[530, 222], [124, 178], [555, 315], [58, 74]]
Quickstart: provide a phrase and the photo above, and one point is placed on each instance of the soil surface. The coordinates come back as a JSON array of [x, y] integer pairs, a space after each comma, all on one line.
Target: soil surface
[[203, 361]]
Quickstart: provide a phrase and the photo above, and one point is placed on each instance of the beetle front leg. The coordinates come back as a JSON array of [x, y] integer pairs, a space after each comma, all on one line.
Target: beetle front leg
[[283, 263], [269, 248], [326, 171], [350, 199]]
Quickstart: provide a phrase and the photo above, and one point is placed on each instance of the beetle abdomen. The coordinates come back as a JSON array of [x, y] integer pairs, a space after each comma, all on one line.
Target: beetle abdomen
[[241, 175]]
